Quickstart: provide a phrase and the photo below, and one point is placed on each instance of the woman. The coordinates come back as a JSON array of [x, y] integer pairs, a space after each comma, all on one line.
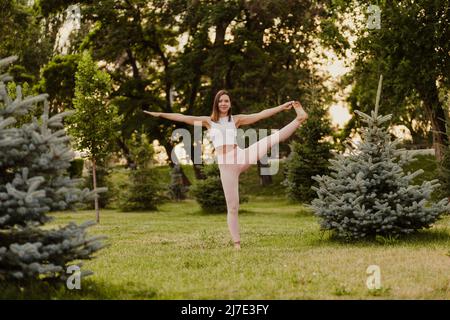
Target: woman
[[232, 160]]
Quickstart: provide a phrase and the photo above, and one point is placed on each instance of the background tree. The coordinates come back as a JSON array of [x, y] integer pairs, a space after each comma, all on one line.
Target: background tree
[[33, 182], [95, 122], [132, 37], [411, 50], [259, 50], [58, 81], [144, 190], [21, 34]]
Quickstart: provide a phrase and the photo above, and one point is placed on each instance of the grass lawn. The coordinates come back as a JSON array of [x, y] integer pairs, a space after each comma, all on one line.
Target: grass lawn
[[179, 252], [182, 253]]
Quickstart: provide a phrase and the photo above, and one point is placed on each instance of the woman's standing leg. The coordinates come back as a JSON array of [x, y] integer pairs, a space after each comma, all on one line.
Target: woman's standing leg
[[229, 175]]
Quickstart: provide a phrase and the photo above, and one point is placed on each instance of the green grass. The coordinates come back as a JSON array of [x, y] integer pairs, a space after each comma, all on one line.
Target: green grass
[[181, 253]]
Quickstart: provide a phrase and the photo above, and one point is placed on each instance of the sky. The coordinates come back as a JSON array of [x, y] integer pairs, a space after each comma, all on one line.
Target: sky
[[336, 68]]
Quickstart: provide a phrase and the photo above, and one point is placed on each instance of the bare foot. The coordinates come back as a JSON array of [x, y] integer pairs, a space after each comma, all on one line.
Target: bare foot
[[237, 245], [301, 113]]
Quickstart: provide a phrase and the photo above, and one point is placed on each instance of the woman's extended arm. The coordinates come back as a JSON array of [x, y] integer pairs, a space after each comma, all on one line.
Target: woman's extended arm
[[245, 119], [192, 120]]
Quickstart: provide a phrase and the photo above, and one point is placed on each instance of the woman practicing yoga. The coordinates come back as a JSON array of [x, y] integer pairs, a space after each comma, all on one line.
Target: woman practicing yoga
[[233, 160]]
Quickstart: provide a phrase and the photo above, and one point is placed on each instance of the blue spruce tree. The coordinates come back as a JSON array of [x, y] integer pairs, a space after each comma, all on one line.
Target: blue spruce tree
[[34, 158], [368, 193]]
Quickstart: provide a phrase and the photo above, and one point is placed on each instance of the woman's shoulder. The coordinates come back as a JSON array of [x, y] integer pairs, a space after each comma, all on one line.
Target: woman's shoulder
[[208, 121], [236, 119]]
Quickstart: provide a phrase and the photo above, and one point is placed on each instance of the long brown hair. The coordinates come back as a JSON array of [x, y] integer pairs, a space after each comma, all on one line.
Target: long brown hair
[[215, 110]]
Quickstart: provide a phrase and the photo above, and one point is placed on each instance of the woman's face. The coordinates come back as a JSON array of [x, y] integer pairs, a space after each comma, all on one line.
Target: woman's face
[[224, 103]]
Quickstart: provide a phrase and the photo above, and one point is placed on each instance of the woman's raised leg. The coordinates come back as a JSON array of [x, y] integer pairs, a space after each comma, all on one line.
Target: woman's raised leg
[[229, 175], [256, 151]]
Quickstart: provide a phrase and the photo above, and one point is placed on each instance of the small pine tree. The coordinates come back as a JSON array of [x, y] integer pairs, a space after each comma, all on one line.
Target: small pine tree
[[144, 190], [34, 158], [209, 192], [177, 190], [368, 194], [309, 156]]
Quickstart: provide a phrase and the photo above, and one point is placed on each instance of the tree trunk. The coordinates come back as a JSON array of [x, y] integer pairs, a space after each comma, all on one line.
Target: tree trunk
[[419, 137], [196, 166], [198, 172], [133, 64], [191, 102], [264, 180], [126, 153], [169, 148], [217, 82], [94, 178], [440, 139], [436, 114]]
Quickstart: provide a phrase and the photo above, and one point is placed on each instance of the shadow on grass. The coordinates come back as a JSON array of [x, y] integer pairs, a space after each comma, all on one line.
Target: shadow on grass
[[439, 236], [98, 290]]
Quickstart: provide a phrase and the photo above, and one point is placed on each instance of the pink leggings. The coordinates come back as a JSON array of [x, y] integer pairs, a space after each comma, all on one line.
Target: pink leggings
[[238, 160]]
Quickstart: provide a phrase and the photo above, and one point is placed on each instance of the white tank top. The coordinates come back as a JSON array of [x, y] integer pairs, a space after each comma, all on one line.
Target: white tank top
[[223, 132]]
